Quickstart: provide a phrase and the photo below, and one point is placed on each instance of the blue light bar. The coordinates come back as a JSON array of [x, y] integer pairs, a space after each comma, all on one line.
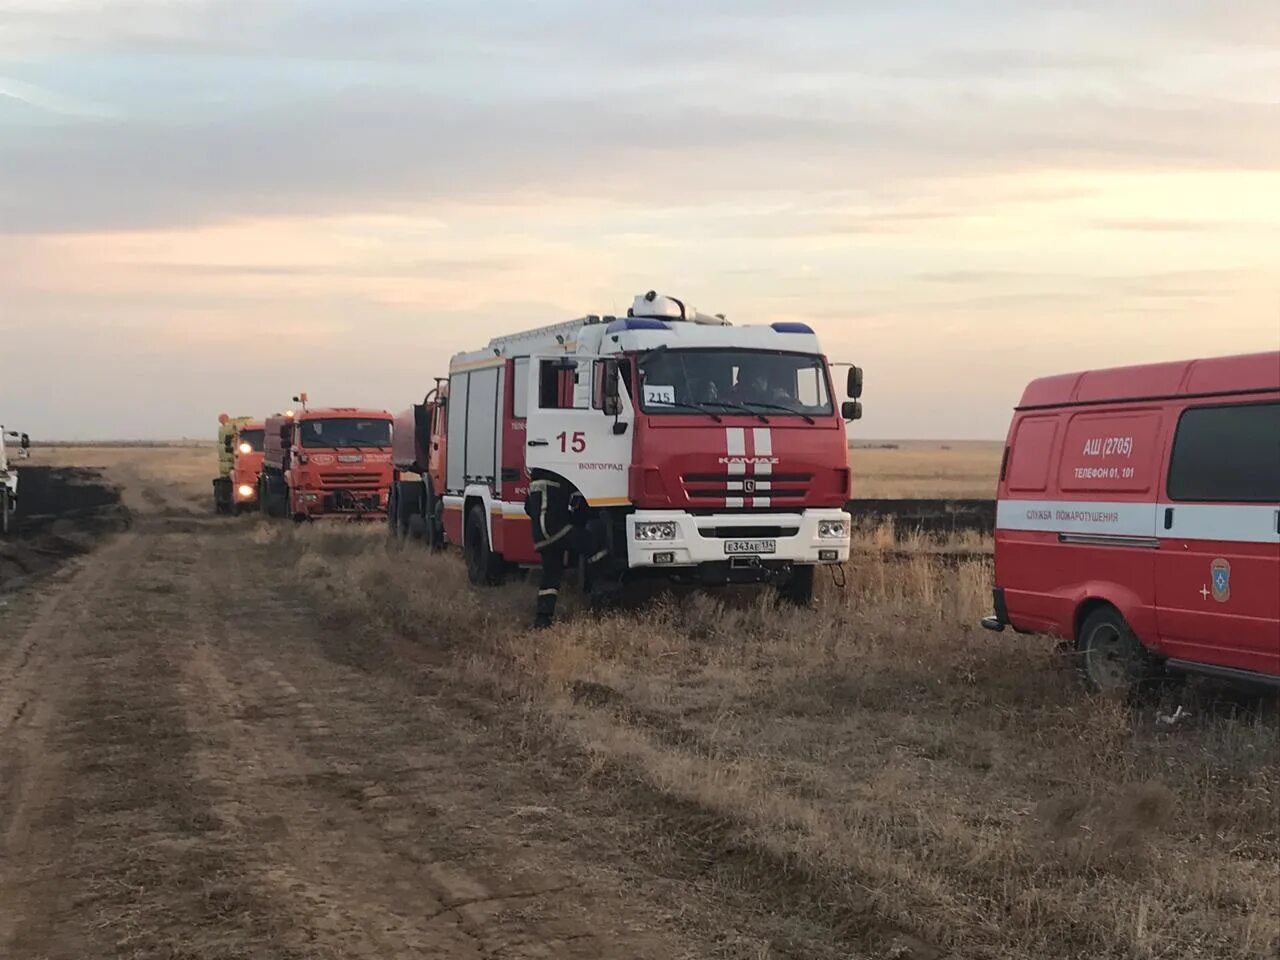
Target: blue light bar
[[636, 323], [792, 327]]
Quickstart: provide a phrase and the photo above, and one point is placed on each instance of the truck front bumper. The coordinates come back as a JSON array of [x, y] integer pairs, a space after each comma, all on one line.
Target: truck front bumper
[[788, 539], [357, 504]]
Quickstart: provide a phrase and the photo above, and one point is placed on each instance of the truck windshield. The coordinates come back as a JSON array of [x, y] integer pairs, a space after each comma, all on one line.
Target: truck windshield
[[253, 438], [761, 382], [346, 432]]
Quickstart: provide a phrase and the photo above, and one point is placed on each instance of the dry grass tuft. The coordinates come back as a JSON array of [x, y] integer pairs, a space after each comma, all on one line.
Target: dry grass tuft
[[915, 774]]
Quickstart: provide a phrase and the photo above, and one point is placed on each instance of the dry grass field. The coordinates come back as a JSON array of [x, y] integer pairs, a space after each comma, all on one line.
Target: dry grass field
[[876, 777], [950, 469]]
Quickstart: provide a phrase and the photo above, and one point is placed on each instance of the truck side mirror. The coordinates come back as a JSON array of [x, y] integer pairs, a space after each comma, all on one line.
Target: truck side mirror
[[854, 386], [227, 443], [286, 432], [26, 442], [851, 410], [611, 401]]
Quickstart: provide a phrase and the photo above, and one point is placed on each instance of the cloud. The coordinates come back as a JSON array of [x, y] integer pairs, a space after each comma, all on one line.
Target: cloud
[[49, 101], [372, 148], [979, 189]]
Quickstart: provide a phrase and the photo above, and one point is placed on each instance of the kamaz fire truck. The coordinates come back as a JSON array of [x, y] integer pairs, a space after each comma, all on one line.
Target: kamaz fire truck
[[333, 461], [694, 449]]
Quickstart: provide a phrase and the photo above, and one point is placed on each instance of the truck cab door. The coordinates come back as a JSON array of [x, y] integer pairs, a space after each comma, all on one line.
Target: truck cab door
[[570, 433]]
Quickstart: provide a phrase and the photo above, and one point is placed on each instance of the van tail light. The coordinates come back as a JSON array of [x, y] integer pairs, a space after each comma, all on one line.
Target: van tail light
[[1004, 464]]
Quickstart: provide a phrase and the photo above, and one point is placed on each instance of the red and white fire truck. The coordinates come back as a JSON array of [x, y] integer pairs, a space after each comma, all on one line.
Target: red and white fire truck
[[694, 449], [1139, 517]]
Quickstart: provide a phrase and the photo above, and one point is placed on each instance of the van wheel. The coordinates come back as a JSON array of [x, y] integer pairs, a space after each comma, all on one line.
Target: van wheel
[[1113, 660], [797, 589], [484, 567]]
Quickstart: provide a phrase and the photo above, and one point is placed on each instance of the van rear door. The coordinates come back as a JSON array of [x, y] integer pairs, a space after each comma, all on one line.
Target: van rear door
[[1086, 530], [1218, 566]]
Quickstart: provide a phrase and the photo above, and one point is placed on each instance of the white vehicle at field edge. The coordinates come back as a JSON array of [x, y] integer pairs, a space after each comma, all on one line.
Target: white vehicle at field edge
[[13, 447]]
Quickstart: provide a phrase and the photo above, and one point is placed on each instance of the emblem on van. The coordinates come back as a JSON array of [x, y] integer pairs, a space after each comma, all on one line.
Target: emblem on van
[[1220, 577], [748, 486]]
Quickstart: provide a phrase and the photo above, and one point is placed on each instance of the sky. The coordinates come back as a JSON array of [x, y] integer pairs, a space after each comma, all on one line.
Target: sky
[[210, 205]]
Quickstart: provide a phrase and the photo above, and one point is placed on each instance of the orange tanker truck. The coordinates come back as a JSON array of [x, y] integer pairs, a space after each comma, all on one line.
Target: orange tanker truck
[[235, 488], [327, 461]]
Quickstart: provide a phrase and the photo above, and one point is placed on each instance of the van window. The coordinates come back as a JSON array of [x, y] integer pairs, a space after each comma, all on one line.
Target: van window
[[1111, 452], [1227, 454], [1031, 454]]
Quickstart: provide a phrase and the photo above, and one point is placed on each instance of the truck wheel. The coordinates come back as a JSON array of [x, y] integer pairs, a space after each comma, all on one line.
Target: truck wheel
[[433, 520], [407, 506], [1113, 660], [484, 567], [797, 589], [393, 510]]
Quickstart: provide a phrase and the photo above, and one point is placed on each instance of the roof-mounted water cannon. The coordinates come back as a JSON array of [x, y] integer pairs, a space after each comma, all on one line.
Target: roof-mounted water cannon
[[301, 399], [653, 306]]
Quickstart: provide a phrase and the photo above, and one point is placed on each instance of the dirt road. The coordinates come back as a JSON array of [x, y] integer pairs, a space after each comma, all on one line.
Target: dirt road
[[191, 766]]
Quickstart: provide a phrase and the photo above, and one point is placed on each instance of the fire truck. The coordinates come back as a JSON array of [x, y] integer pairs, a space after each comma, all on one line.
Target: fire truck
[[415, 507], [240, 440], [332, 461], [1139, 519], [694, 449]]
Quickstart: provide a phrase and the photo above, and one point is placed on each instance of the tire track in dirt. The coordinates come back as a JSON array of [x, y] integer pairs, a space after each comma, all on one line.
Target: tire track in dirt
[[347, 791], [32, 768], [110, 850]]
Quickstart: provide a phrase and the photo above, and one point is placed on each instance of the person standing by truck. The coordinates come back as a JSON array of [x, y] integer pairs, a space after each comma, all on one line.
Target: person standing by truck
[[548, 508]]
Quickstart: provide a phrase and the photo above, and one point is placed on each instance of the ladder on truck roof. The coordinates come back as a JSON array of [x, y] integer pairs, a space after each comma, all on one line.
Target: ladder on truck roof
[[544, 333]]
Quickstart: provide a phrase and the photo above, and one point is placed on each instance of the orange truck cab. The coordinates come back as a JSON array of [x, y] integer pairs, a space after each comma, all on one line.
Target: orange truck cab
[[331, 461], [246, 465], [235, 488], [1139, 519]]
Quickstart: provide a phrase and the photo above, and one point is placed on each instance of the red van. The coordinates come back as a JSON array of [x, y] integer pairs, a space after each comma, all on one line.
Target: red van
[[1139, 518]]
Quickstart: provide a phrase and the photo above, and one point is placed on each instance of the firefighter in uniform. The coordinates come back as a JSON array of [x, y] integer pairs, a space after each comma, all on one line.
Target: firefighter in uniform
[[548, 507], [559, 531]]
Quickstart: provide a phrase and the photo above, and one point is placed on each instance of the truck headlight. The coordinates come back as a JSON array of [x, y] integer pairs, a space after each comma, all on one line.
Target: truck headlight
[[245, 490], [663, 530], [245, 448], [833, 529]]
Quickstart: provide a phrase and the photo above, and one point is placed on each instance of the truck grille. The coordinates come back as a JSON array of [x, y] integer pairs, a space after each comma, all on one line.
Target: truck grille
[[781, 489], [350, 481]]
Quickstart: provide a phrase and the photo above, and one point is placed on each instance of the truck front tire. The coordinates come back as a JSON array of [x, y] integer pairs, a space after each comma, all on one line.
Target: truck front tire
[[222, 496]]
